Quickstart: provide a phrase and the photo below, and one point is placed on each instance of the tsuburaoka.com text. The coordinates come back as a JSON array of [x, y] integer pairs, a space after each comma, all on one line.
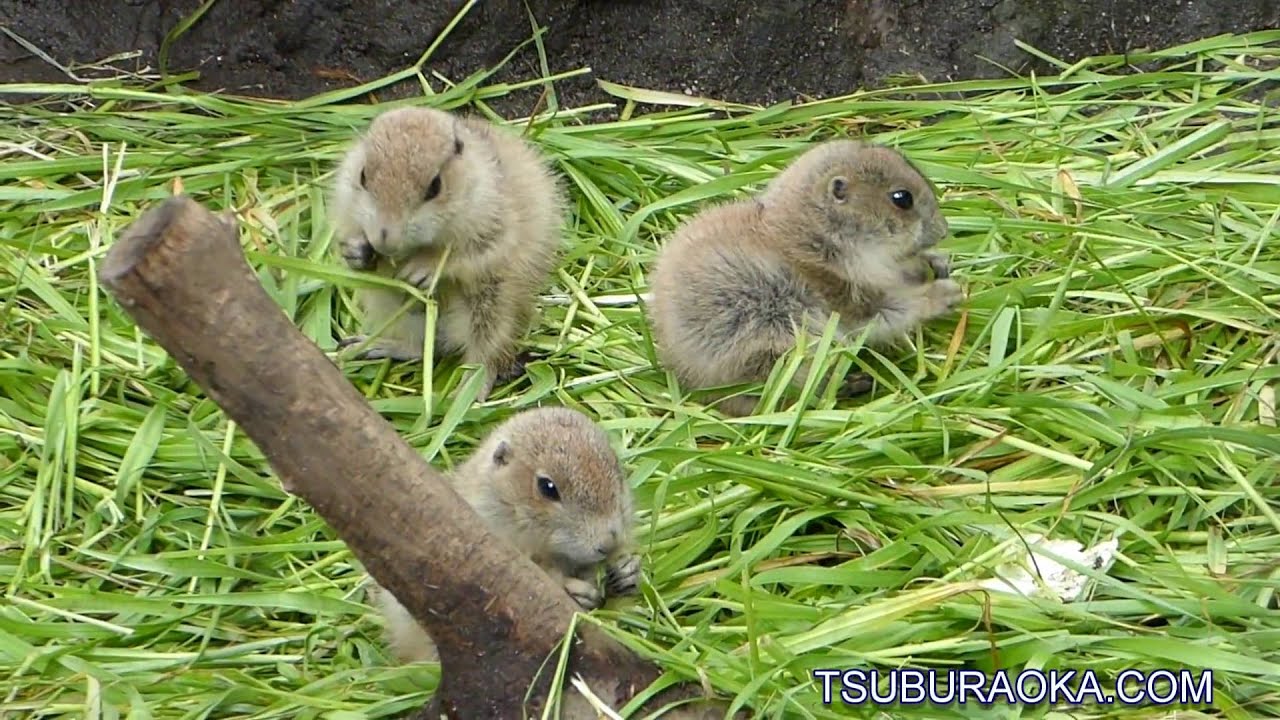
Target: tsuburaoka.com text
[[908, 686]]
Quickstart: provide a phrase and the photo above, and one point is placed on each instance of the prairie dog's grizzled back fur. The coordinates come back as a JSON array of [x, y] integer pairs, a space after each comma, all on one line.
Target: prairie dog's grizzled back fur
[[845, 228], [420, 183], [548, 481]]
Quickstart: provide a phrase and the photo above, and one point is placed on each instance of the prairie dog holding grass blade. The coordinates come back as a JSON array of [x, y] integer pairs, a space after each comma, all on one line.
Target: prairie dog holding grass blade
[[847, 227], [547, 481], [424, 191]]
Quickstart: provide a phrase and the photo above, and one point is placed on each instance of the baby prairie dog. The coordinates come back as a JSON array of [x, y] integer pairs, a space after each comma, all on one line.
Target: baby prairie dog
[[845, 228], [424, 192], [547, 481]]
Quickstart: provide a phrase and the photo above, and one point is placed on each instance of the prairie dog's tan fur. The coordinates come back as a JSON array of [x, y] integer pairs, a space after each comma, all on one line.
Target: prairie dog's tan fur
[[421, 181], [829, 233], [571, 532]]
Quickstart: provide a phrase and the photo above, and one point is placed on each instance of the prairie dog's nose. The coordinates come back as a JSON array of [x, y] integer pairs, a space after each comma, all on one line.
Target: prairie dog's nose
[[933, 234]]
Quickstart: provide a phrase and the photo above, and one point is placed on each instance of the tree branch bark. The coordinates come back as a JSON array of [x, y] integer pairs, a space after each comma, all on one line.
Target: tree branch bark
[[495, 616]]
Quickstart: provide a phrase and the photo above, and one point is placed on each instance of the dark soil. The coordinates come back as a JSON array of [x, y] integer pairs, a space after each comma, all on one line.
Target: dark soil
[[755, 51]]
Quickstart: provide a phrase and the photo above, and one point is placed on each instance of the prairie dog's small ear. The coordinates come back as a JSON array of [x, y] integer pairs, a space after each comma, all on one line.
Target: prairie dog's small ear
[[838, 188], [502, 453]]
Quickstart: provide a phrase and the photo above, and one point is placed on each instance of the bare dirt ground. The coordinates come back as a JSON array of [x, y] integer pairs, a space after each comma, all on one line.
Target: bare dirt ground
[[754, 51]]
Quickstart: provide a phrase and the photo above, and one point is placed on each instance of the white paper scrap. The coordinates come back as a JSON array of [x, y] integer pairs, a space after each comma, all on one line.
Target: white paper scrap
[[1047, 577]]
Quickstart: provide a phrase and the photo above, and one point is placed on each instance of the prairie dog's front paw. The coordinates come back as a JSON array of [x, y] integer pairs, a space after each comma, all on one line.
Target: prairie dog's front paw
[[507, 372], [379, 350], [943, 295], [417, 274], [855, 384], [584, 593], [622, 577], [358, 253], [939, 263]]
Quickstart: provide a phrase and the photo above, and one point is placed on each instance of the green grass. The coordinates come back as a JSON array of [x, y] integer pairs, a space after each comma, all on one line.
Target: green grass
[[1113, 373]]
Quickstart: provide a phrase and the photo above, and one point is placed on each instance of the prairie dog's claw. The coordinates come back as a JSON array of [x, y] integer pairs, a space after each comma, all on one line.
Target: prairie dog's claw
[[623, 577]]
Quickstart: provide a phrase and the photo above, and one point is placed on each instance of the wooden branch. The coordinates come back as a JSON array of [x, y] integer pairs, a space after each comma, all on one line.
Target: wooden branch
[[495, 616]]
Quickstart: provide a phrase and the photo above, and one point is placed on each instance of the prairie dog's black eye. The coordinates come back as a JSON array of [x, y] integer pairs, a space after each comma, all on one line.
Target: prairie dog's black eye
[[902, 198], [839, 189], [363, 182], [548, 488], [457, 146], [433, 189]]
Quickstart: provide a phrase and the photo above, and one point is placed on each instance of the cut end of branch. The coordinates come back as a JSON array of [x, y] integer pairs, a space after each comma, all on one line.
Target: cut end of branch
[[161, 233]]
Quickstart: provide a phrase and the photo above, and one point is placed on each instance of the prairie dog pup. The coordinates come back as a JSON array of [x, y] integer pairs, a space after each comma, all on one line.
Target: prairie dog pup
[[421, 182], [548, 481], [845, 228]]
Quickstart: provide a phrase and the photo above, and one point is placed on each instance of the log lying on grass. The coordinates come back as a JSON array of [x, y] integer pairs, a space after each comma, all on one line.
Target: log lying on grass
[[495, 616]]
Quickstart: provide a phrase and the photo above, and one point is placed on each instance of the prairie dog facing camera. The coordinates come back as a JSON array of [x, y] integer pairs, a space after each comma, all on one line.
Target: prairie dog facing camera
[[548, 481], [847, 227], [425, 191]]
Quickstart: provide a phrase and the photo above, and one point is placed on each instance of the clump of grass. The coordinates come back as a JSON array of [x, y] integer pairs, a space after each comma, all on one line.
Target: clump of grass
[[1112, 374]]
